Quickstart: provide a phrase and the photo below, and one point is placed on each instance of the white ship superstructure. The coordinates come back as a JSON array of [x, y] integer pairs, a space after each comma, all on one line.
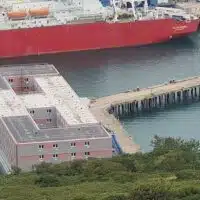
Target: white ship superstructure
[[29, 14]]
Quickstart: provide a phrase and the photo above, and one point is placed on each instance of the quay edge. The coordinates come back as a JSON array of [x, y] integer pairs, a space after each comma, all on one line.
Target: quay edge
[[107, 109]]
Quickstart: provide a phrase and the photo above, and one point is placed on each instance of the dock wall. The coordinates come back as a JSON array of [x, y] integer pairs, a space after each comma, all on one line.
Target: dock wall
[[109, 109], [184, 96]]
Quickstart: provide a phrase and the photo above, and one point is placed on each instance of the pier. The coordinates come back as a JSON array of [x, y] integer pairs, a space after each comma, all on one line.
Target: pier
[[109, 108]]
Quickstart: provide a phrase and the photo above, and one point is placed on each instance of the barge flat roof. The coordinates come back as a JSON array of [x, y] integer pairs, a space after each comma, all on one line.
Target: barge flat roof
[[28, 69], [54, 92], [23, 130]]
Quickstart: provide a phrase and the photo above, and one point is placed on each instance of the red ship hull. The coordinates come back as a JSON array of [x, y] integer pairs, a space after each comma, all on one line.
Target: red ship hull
[[99, 35]]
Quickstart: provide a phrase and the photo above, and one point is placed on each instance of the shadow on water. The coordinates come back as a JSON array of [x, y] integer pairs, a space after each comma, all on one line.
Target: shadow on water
[[159, 111], [181, 121], [104, 72]]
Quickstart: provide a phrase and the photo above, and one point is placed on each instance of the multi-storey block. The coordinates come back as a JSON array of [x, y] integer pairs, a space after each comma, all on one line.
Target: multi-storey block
[[43, 119]]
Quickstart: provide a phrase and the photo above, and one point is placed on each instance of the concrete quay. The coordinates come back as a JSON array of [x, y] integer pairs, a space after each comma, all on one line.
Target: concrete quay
[[108, 109], [113, 124]]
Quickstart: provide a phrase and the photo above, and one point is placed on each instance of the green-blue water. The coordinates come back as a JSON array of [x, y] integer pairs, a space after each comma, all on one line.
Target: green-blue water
[[100, 73]]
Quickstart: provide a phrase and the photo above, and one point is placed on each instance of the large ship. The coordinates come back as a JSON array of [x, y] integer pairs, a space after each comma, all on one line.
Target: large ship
[[35, 27]]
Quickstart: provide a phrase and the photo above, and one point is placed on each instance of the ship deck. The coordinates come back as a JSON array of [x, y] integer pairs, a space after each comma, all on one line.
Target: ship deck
[[191, 7]]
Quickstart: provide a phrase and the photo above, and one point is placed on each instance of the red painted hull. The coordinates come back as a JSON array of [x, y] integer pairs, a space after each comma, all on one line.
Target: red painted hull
[[99, 35]]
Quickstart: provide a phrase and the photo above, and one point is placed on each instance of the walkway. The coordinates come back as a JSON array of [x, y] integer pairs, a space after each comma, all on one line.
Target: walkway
[[99, 107]]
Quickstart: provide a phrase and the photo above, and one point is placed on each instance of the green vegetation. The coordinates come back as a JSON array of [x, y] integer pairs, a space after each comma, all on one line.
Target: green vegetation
[[170, 172]]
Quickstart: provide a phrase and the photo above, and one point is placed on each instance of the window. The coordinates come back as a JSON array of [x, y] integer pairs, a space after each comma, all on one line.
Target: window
[[26, 79], [73, 154], [49, 110], [32, 111], [26, 87], [55, 145], [87, 153], [41, 146], [49, 120], [55, 155], [87, 143], [10, 80], [73, 144], [41, 156]]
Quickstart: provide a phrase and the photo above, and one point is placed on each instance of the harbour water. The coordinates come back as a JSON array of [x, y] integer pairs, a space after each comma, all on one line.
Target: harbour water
[[95, 74]]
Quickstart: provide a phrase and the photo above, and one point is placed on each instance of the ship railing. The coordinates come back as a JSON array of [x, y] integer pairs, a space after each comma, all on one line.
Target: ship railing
[[172, 11], [64, 17], [90, 16], [79, 17], [67, 9], [31, 21], [30, 4]]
